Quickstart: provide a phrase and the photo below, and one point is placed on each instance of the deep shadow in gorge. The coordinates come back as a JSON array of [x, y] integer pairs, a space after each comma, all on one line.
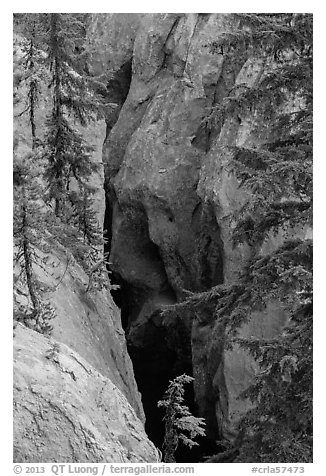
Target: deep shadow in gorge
[[154, 368], [160, 351]]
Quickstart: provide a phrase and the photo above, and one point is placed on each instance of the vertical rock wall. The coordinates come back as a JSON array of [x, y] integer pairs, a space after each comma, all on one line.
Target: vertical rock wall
[[80, 401], [170, 196], [66, 411]]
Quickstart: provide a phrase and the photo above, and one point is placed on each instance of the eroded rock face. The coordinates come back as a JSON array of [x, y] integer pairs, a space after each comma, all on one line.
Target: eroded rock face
[[153, 165], [170, 196], [87, 321], [65, 410]]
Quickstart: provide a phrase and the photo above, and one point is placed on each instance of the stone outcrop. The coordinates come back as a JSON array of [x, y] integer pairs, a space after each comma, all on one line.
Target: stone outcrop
[[170, 197], [88, 322], [66, 411]]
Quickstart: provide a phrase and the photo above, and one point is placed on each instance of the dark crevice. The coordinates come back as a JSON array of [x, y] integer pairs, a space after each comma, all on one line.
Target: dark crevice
[[118, 84], [117, 89], [108, 216], [159, 350], [162, 350], [167, 60], [119, 288], [209, 246], [165, 354]]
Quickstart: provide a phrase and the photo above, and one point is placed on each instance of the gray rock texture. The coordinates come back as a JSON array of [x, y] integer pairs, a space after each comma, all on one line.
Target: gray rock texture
[[89, 324], [171, 197], [168, 206], [66, 411]]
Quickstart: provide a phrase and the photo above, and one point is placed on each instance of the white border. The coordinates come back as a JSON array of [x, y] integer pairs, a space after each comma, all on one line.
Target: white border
[[319, 194]]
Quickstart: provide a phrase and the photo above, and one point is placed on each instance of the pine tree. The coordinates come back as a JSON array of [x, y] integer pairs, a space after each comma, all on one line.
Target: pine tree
[[67, 154], [29, 228], [30, 215], [278, 178], [62, 158], [30, 68], [180, 424], [69, 157], [58, 42]]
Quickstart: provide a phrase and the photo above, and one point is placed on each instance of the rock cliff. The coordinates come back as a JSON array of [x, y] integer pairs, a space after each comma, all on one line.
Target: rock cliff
[[89, 323], [66, 411], [166, 197], [169, 200]]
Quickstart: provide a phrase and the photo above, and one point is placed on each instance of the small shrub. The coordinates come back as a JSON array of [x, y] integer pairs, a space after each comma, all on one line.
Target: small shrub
[[180, 424]]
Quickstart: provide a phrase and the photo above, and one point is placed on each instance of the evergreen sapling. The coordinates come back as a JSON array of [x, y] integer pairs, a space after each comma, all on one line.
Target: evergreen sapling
[[180, 425]]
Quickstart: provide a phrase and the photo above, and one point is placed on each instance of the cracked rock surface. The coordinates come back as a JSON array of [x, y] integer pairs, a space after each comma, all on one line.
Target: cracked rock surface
[[65, 410], [171, 197]]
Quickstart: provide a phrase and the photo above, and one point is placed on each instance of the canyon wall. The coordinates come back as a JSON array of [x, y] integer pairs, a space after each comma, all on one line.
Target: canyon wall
[[167, 215], [83, 404], [66, 411], [170, 196]]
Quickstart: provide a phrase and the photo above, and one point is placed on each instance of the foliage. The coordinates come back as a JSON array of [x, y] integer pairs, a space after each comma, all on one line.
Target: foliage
[[67, 154], [180, 424], [30, 69], [277, 177], [29, 224], [52, 196]]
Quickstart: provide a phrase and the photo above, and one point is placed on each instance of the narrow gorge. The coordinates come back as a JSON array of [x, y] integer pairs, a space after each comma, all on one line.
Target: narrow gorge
[[168, 202], [167, 197]]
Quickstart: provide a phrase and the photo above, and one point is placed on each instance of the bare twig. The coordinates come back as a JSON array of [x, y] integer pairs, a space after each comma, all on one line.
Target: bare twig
[[68, 261]]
